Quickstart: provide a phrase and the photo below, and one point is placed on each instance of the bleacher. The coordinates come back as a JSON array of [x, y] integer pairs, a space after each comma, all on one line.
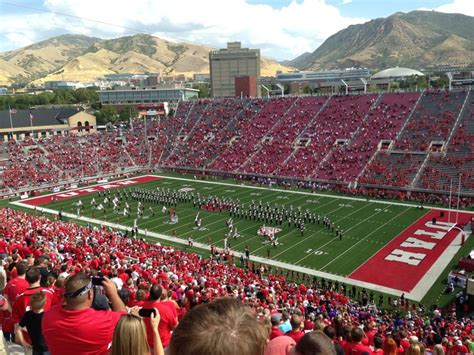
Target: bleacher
[[444, 168], [432, 120], [368, 139], [383, 123], [392, 169], [280, 140]]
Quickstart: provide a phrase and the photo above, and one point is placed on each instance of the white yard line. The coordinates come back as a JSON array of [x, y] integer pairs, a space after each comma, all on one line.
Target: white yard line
[[416, 294], [203, 246], [335, 238], [283, 235], [305, 239], [313, 194], [361, 240]]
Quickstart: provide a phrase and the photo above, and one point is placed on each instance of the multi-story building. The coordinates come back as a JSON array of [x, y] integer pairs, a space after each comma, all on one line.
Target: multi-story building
[[228, 63], [145, 95], [324, 78]]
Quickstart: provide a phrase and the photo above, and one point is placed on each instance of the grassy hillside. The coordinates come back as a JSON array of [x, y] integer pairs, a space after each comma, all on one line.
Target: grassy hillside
[[415, 39], [82, 58]]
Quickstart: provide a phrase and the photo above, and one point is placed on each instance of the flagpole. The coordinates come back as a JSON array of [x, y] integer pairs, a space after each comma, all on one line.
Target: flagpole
[[10, 114], [31, 123], [450, 192], [459, 193]]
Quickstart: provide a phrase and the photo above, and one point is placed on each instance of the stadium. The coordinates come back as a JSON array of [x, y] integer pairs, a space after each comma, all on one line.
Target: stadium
[[316, 223], [332, 202]]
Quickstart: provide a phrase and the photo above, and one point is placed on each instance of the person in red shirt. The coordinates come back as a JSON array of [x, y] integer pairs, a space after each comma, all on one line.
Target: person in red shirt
[[378, 345], [296, 332], [78, 328], [460, 348], [167, 301], [331, 334], [355, 347], [276, 320], [22, 302], [168, 319], [404, 342], [315, 342], [3, 248], [11, 291]]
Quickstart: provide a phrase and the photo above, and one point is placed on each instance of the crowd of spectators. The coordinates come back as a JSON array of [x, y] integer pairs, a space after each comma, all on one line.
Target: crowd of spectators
[[338, 121], [432, 120], [278, 149], [325, 138], [83, 289], [445, 167], [383, 123]]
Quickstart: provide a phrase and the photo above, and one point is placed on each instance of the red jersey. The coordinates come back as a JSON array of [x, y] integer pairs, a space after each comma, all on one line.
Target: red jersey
[[85, 332], [275, 332], [22, 303], [3, 247], [168, 322], [14, 288], [295, 335]]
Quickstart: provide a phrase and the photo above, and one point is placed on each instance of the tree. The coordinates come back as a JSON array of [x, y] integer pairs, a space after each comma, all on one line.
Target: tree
[[203, 89], [106, 114], [126, 112]]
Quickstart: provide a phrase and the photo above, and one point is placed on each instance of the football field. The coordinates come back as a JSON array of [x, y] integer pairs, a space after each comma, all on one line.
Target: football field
[[387, 246]]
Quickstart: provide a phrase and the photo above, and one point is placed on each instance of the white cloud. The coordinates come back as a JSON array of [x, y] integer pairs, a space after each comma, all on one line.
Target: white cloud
[[345, 2], [26, 29], [281, 33], [456, 6]]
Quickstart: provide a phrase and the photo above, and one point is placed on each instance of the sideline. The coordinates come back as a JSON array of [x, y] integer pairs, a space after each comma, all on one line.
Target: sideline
[[313, 194], [417, 294]]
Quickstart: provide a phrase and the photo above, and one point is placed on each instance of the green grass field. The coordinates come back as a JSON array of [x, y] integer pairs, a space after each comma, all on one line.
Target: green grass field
[[368, 226]]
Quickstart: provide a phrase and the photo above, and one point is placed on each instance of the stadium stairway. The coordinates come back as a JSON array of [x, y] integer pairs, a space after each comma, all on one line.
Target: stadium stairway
[[268, 135], [458, 120], [296, 144], [274, 152], [215, 129], [456, 158], [402, 129], [433, 120]]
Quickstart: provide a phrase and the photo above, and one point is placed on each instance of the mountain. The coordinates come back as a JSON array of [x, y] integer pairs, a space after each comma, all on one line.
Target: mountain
[[415, 40], [298, 61], [82, 58]]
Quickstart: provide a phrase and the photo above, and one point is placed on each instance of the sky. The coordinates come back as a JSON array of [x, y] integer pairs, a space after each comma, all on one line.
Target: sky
[[282, 29]]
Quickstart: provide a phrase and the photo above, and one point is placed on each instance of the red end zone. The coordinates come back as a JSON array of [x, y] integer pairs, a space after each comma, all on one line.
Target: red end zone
[[43, 200], [403, 262]]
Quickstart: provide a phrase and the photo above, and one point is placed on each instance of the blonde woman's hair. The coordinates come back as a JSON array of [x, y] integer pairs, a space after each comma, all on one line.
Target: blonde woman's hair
[[414, 349], [130, 337], [438, 350]]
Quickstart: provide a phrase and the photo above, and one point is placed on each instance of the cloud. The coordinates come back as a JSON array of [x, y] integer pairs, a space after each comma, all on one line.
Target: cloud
[[24, 29], [456, 6], [345, 2], [282, 33]]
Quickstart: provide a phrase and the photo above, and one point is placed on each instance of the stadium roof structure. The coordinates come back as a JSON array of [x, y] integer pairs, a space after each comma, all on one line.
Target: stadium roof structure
[[397, 72], [41, 117]]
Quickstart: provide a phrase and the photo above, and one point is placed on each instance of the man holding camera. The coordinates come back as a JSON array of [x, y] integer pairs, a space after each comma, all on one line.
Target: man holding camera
[[78, 328]]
